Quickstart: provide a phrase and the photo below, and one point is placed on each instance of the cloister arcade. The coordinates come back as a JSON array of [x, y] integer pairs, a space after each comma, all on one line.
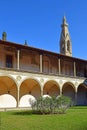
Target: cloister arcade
[[14, 94], [69, 90]]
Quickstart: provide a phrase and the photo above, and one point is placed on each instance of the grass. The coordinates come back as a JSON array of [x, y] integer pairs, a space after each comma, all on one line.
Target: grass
[[74, 119]]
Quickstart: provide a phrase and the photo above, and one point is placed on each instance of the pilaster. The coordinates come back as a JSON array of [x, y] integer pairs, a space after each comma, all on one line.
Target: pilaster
[[59, 65], [18, 59], [41, 65], [74, 69]]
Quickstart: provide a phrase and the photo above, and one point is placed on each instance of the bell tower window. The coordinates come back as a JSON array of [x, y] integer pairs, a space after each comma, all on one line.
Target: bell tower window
[[68, 45], [62, 47]]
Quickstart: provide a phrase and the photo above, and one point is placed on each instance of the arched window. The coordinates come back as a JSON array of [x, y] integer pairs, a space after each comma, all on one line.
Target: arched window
[[68, 45]]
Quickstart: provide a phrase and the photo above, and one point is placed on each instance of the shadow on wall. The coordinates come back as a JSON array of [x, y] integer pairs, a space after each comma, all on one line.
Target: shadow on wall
[[26, 100], [7, 101]]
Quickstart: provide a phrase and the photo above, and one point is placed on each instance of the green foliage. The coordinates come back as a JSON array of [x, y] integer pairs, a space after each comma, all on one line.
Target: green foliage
[[51, 105], [63, 103]]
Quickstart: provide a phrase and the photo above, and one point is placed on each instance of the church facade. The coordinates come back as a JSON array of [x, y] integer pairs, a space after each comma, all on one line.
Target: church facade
[[27, 73]]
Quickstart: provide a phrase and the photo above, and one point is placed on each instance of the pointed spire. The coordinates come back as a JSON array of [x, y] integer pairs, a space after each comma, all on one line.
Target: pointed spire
[[65, 41], [64, 20], [64, 23]]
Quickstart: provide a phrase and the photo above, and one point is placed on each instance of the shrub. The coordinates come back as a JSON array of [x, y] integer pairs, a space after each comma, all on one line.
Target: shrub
[[63, 104], [51, 105]]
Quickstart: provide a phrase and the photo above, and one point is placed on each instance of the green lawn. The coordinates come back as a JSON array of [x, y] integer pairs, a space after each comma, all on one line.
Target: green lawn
[[74, 119]]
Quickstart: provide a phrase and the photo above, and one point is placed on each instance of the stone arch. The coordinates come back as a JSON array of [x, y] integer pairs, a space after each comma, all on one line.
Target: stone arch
[[30, 86], [8, 91], [51, 88], [9, 76], [26, 78], [82, 94], [69, 90]]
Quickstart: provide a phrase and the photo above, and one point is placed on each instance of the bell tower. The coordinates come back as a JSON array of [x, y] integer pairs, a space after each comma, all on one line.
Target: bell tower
[[65, 41]]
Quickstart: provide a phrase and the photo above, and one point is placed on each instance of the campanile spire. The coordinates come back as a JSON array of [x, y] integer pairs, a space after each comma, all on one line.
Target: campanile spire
[[65, 41]]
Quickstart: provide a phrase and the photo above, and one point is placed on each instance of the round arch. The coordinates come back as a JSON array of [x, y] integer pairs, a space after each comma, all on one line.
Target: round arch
[[51, 88], [68, 89], [10, 77], [30, 86], [8, 89], [30, 78], [82, 95]]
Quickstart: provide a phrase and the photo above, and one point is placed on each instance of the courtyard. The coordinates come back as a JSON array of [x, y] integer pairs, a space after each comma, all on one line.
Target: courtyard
[[74, 119]]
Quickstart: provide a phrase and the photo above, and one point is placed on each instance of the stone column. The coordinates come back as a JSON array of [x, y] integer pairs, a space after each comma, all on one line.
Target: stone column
[[60, 92], [75, 98], [59, 65], [41, 65], [42, 92], [18, 59], [74, 69], [18, 97]]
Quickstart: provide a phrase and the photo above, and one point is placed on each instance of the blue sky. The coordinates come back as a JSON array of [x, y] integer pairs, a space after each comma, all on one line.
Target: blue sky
[[39, 22]]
